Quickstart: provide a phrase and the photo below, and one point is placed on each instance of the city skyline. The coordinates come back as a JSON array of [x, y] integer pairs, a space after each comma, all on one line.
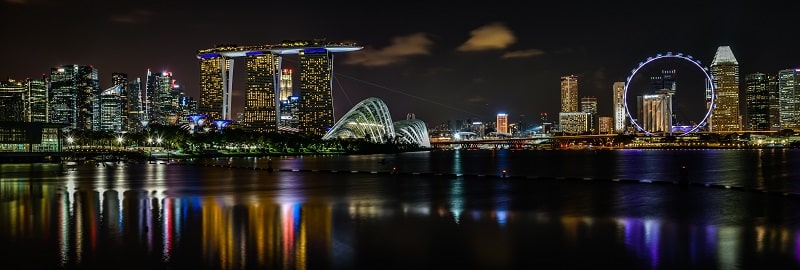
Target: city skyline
[[497, 59]]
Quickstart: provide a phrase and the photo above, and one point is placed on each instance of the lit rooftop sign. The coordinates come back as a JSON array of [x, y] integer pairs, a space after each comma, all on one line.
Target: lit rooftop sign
[[315, 50], [209, 55]]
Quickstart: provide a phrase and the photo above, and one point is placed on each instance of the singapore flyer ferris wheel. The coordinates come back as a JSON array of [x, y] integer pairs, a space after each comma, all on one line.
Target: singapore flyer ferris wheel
[[665, 111]]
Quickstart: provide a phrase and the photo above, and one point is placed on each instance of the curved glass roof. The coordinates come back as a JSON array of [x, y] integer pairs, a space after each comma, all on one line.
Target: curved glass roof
[[370, 119]]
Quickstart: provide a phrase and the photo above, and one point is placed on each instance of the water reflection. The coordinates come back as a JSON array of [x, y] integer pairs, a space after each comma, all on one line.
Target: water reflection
[[196, 217]]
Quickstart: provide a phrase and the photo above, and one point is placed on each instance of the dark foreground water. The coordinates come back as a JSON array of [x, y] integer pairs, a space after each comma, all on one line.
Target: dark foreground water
[[448, 210]]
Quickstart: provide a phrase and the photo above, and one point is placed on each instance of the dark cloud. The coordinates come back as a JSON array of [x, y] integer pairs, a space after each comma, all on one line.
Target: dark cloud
[[523, 54], [493, 36], [399, 51]]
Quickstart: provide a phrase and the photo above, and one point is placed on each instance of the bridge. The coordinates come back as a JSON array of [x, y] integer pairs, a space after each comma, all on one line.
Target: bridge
[[534, 142], [547, 141]]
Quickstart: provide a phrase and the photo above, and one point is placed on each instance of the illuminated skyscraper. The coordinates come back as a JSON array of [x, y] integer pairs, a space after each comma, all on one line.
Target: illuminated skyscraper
[[108, 112], [573, 122], [12, 101], [619, 107], [605, 126], [569, 93], [159, 101], [774, 103], [789, 91], [72, 88], [37, 107], [121, 79], [725, 71], [213, 67], [316, 99], [502, 123], [315, 106], [135, 108], [288, 107], [286, 84], [758, 89], [260, 109], [589, 105]]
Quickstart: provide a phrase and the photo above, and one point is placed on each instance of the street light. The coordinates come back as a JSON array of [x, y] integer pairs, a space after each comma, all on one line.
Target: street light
[[70, 140], [119, 141]]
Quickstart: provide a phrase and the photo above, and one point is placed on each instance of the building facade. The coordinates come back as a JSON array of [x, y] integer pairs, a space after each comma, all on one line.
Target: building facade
[[213, 71], [502, 123], [135, 108], [13, 96], [159, 101], [758, 89], [589, 105], [657, 111], [605, 125], [108, 110], [725, 74], [620, 115], [569, 93], [121, 80], [72, 89], [315, 114], [573, 123], [37, 103], [789, 95], [316, 99], [261, 104]]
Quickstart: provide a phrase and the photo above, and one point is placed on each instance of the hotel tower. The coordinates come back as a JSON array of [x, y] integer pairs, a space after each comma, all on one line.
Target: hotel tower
[[264, 71]]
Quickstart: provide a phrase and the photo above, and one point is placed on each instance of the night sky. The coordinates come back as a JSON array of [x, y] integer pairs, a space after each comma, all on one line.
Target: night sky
[[459, 60]]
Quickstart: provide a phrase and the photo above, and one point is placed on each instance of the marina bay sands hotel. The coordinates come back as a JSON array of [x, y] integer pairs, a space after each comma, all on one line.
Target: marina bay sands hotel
[[263, 67]]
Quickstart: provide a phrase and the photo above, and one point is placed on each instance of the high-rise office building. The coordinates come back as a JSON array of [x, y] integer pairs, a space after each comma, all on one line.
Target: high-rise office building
[[757, 89], [286, 84], [569, 93], [789, 92], [13, 101], [261, 104], [37, 107], [605, 125], [725, 73], [135, 108], [121, 79], [108, 112], [618, 91], [288, 103], [72, 89], [159, 101], [774, 102], [573, 122], [502, 123], [589, 105]]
